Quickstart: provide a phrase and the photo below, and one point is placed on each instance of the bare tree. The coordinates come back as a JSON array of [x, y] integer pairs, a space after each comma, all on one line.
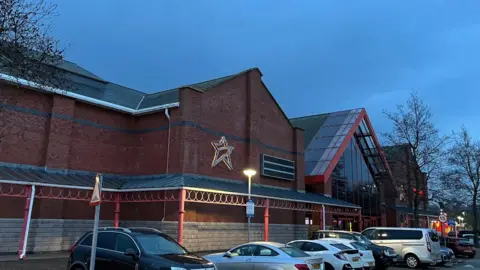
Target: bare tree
[[27, 51], [463, 174], [414, 128]]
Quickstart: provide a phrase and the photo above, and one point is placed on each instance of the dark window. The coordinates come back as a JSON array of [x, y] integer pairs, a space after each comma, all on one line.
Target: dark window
[[341, 246], [124, 242], [312, 247], [106, 240], [398, 235], [248, 250], [298, 244], [87, 241], [294, 252], [264, 251], [359, 246], [159, 244]]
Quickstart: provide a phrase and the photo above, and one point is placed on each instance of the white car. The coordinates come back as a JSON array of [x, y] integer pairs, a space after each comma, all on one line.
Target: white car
[[265, 256], [336, 255], [365, 253]]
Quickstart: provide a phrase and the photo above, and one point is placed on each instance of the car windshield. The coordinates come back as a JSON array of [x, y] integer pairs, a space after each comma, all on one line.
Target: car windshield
[[294, 252], [155, 244], [359, 246], [463, 241], [362, 238]]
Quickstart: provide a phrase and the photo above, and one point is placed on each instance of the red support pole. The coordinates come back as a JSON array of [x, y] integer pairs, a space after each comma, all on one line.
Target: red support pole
[[116, 219], [25, 218], [265, 221], [181, 212]]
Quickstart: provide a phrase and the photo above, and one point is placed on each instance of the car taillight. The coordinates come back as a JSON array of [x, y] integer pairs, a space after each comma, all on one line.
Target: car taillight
[[302, 267], [340, 256]]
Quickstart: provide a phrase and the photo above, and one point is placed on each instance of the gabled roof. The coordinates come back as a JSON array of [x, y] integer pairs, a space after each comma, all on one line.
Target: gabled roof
[[327, 136], [33, 175], [83, 83]]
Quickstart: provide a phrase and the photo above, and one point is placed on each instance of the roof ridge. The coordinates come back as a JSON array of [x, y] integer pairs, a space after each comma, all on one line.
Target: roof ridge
[[318, 114]]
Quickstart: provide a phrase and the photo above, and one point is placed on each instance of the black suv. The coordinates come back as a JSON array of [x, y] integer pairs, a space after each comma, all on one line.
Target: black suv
[[133, 249]]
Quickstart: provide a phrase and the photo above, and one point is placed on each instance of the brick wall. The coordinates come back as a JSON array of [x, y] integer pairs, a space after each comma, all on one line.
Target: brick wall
[[60, 234], [45, 234], [244, 108]]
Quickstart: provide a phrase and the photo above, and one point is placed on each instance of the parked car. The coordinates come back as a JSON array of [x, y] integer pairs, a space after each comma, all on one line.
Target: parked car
[[415, 246], [447, 256], [265, 255], [470, 238], [365, 254], [460, 246], [336, 256], [384, 256], [132, 249]]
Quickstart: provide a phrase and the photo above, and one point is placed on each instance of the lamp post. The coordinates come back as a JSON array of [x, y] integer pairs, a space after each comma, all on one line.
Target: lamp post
[[249, 173]]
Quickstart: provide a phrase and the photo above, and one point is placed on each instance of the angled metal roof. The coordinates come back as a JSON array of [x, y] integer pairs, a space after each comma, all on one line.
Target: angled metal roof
[[83, 82], [23, 174], [310, 124]]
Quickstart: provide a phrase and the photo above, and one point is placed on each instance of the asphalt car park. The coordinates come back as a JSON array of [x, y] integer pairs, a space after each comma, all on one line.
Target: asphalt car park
[[61, 263]]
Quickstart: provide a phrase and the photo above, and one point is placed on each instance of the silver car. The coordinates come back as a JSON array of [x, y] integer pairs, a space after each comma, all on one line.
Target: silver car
[[265, 256]]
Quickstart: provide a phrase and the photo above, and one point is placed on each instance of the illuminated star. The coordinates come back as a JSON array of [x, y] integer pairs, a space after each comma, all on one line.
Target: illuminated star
[[222, 146]]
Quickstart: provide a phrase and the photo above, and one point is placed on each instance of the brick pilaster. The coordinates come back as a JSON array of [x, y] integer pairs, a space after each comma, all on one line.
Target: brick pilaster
[[60, 131]]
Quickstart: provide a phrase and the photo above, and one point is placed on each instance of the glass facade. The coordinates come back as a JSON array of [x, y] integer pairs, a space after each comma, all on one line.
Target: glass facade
[[352, 181], [327, 141]]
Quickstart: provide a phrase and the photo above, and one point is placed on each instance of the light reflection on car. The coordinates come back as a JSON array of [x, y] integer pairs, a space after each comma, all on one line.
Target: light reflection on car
[[265, 255]]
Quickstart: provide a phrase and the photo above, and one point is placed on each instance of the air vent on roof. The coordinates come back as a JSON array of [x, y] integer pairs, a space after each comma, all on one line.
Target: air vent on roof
[[277, 167]]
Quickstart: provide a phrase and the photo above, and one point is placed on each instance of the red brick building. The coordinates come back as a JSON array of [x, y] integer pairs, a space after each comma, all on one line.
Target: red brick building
[[172, 160], [400, 203]]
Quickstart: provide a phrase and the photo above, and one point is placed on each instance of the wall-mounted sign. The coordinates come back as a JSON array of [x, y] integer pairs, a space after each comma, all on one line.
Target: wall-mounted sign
[[223, 151], [277, 167]]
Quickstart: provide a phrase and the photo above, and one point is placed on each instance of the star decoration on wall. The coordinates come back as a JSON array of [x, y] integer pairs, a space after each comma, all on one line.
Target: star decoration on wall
[[222, 153]]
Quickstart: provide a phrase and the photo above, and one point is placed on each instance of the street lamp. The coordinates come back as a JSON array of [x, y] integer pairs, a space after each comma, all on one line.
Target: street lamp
[[249, 173]]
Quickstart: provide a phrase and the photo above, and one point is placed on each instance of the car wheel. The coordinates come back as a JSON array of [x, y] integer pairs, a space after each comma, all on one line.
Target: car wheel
[[329, 267], [412, 261]]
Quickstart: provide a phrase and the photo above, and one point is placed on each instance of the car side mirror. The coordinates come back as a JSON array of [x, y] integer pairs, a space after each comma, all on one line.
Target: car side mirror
[[132, 253], [227, 254]]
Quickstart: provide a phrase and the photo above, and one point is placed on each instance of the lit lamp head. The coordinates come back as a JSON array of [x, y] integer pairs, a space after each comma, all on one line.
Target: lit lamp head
[[97, 177], [249, 172]]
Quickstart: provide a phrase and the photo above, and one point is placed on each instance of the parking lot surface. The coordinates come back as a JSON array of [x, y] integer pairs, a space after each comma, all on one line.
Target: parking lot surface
[[60, 264]]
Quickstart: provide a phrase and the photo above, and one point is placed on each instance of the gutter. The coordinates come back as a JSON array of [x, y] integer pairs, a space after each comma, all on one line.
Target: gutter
[[86, 99]]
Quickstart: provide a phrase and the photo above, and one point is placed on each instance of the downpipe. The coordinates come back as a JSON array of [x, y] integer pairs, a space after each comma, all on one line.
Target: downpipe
[[29, 218]]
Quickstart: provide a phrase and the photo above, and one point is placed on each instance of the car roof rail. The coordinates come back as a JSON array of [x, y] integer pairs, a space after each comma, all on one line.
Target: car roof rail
[[145, 229], [114, 229]]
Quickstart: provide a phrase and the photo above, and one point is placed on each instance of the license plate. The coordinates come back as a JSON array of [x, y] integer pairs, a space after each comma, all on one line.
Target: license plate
[[394, 259], [371, 264], [468, 250], [356, 259], [316, 266]]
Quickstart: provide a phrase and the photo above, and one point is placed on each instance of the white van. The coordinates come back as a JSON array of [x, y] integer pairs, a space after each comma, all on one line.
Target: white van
[[415, 246]]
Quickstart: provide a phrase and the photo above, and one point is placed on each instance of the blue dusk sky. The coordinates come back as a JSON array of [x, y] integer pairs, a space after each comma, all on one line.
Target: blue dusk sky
[[316, 56]]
